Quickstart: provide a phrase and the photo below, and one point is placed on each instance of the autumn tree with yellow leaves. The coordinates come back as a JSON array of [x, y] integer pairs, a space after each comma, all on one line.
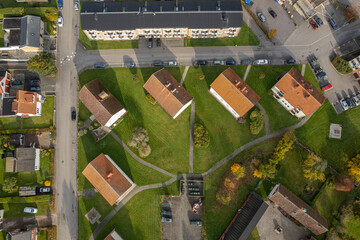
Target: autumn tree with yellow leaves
[[354, 168], [314, 168]]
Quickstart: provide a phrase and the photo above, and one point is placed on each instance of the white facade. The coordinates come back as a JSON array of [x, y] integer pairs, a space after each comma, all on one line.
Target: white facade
[[279, 96], [115, 117], [37, 159], [224, 103], [355, 63], [182, 109]]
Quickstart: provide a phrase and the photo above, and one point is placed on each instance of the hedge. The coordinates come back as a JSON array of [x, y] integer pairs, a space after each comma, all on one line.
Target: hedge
[[341, 65], [201, 136], [29, 130], [32, 199], [150, 99]]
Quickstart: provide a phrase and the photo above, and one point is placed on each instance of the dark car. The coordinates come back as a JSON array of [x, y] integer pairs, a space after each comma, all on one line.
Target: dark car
[[201, 63], [320, 75], [18, 82], [159, 64], [333, 23], [350, 102], [45, 189], [158, 42], [150, 43], [246, 62], [231, 62], [166, 219], [273, 13], [35, 89], [196, 223], [34, 83], [313, 24], [73, 114], [291, 61], [165, 212], [99, 65], [318, 20]]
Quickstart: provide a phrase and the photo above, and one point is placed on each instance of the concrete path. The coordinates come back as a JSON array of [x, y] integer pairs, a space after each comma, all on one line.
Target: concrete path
[[191, 152], [303, 67], [247, 72], [266, 119], [139, 159], [87, 123], [184, 75]]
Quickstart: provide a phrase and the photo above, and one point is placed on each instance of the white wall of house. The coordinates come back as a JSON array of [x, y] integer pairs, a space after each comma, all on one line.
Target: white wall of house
[[224, 103], [115, 117], [282, 100], [37, 159], [182, 109]]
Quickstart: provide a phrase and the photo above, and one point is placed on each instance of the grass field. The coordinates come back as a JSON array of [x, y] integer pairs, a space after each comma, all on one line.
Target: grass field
[[84, 113], [169, 138], [245, 38], [140, 217], [226, 134], [309, 75], [353, 228], [12, 3], [89, 149], [279, 118], [315, 134], [254, 235], [13, 210], [2, 32]]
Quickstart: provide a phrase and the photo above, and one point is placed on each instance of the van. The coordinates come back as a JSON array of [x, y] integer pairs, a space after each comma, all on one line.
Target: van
[[99, 65], [333, 23]]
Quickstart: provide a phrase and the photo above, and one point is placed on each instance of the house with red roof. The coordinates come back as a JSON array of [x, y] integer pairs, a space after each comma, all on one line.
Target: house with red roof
[[5, 80]]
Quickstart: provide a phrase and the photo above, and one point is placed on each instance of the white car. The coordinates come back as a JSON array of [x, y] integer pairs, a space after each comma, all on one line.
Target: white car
[[261, 62], [76, 6], [356, 100], [344, 104], [172, 63], [60, 21], [30, 210]]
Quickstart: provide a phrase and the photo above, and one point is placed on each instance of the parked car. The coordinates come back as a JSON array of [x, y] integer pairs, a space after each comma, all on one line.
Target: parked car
[[196, 223], [219, 62], [30, 210], [60, 21], [182, 188], [194, 189], [166, 219], [261, 62], [34, 83], [17, 82], [273, 13], [344, 104], [249, 2], [318, 20], [45, 189], [76, 6], [320, 75], [150, 43], [356, 100], [190, 183], [73, 114], [159, 64], [201, 63], [99, 65], [350, 102], [173, 63], [60, 4], [158, 42], [35, 89], [327, 87], [291, 61], [129, 64], [165, 212], [313, 24], [246, 62], [194, 193], [231, 62], [333, 23], [261, 16]]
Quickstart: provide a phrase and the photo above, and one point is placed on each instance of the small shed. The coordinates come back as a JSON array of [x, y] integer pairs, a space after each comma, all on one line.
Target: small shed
[[335, 131], [27, 191]]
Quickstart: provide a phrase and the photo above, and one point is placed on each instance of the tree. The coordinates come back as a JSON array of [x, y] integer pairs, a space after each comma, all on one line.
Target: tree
[[140, 141], [354, 168], [314, 168], [272, 33], [43, 63], [238, 170], [10, 185], [256, 121], [350, 15], [201, 136], [51, 16]]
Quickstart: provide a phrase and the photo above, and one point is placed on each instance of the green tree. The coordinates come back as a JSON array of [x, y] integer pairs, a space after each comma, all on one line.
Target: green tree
[[314, 168], [10, 185], [51, 16], [44, 64]]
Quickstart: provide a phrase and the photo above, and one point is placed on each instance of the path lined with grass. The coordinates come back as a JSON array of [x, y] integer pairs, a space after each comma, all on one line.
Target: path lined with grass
[[191, 147], [266, 119]]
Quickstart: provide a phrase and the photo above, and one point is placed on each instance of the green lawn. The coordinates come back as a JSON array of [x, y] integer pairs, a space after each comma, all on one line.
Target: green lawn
[[169, 138], [279, 118], [140, 217], [89, 149], [309, 75], [84, 113], [10, 122], [315, 135], [353, 228], [245, 38], [43, 235], [226, 134], [12, 3], [13, 210], [254, 235], [2, 32]]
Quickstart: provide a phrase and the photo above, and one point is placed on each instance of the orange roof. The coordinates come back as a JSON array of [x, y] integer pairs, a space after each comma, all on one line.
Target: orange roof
[[25, 102], [167, 91], [299, 92], [107, 178], [240, 96], [5, 81]]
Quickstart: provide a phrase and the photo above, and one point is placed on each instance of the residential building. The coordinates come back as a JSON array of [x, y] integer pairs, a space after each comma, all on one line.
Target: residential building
[[355, 66], [5, 82], [233, 93], [246, 219], [106, 176], [100, 102], [113, 236], [25, 33], [161, 19], [297, 95], [30, 234], [25, 160], [168, 92], [298, 209], [348, 50], [27, 104], [306, 8]]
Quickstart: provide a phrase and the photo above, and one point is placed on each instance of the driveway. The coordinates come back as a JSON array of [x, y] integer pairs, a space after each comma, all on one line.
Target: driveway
[[273, 218]]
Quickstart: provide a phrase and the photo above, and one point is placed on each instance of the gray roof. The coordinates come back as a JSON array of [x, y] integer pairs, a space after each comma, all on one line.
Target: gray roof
[[12, 23], [349, 50], [19, 235], [156, 14], [25, 159], [30, 31], [7, 106]]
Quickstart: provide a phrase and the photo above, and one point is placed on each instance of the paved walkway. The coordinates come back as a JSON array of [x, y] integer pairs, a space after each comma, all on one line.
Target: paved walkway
[[20, 222], [184, 75], [191, 147], [139, 159], [303, 69], [87, 123], [266, 119], [247, 72]]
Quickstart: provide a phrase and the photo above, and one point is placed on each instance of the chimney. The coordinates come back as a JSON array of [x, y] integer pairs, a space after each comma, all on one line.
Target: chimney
[[173, 90], [237, 83], [218, 8], [244, 89], [96, 16], [145, 8], [108, 176], [167, 84], [124, 9]]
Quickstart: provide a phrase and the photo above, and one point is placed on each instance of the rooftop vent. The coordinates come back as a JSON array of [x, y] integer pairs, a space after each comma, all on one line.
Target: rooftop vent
[[307, 96], [103, 95], [311, 89], [224, 16], [96, 17], [167, 83], [237, 83], [304, 209], [198, 8]]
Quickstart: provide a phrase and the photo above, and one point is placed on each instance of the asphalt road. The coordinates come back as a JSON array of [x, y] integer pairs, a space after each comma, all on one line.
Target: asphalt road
[[66, 130]]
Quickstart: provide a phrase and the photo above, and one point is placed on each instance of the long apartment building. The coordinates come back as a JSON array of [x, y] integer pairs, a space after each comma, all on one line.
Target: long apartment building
[[161, 19]]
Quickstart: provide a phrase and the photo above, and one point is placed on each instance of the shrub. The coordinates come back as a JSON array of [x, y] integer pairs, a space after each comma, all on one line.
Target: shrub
[[314, 168], [354, 168], [201, 76], [44, 64], [10, 185], [91, 128], [238, 170], [51, 16], [144, 150], [80, 122], [261, 75], [256, 121], [201, 136], [140, 140], [136, 78], [341, 65], [150, 99], [272, 33]]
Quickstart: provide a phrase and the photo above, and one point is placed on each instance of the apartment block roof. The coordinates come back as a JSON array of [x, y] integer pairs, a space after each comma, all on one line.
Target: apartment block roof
[[298, 209], [299, 92], [99, 101], [160, 14], [240, 96], [25, 102], [246, 219], [167, 91], [107, 178]]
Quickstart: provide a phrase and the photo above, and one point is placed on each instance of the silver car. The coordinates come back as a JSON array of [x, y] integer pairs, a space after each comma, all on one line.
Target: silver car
[[172, 63], [261, 62], [356, 100], [76, 6], [261, 16], [60, 21], [30, 210], [344, 104]]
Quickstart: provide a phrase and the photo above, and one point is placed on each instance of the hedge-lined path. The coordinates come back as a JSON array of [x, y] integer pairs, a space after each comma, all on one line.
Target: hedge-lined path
[[191, 147], [266, 119]]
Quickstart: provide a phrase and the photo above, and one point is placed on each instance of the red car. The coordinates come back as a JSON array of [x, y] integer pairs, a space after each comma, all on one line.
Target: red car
[[313, 24], [327, 87]]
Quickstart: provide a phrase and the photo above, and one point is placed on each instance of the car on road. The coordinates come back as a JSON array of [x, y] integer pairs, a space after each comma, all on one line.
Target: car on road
[[30, 210], [318, 20], [320, 75], [246, 62], [45, 189], [165, 212], [129, 64], [313, 24], [159, 64], [261, 62], [344, 104], [201, 63], [150, 43], [218, 62], [196, 223], [73, 114], [60, 21], [173, 63], [158, 42], [327, 87], [356, 100], [261, 16], [291, 61], [231, 62], [350, 102], [333, 23], [166, 219], [273, 13], [99, 65], [76, 6]]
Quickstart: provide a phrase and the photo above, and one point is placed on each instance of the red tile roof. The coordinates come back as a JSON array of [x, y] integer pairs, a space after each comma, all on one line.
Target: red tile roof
[[25, 102]]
